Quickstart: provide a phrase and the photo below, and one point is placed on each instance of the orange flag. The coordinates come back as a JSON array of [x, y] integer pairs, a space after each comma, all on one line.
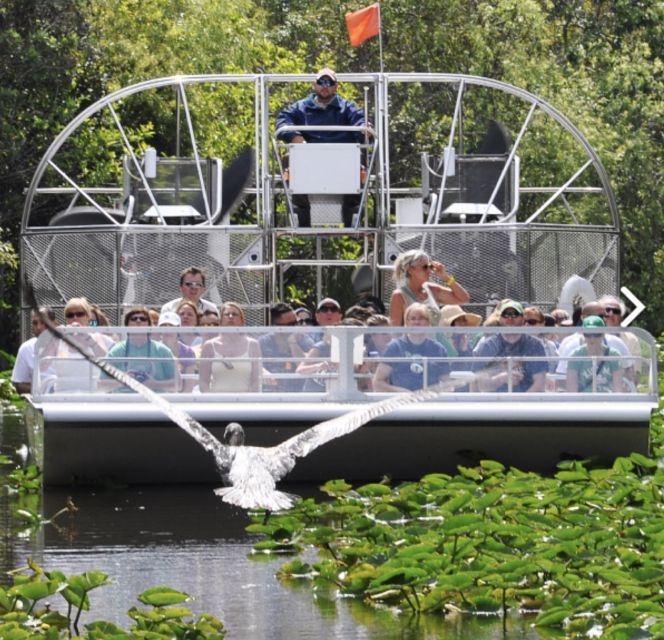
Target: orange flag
[[363, 24]]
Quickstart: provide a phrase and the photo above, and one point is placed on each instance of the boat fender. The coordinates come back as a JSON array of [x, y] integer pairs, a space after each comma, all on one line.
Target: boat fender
[[575, 290]]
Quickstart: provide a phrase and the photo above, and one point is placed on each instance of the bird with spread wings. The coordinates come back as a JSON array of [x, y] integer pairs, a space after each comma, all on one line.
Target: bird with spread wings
[[252, 472]]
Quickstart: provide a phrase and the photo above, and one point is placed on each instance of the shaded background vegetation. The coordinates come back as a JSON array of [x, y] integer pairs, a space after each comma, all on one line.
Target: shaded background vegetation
[[598, 61]]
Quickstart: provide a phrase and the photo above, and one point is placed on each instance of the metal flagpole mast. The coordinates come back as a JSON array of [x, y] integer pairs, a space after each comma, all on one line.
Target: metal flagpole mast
[[380, 36]]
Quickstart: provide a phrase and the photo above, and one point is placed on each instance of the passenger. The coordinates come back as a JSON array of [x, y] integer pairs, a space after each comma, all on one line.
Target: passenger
[[154, 317], [376, 342], [149, 361], [458, 345], [210, 319], [231, 362], [185, 357], [64, 369], [317, 359], [613, 313], [360, 313], [189, 317], [422, 361], [192, 287], [559, 316], [328, 313], [594, 373], [497, 374], [575, 340], [25, 358], [282, 352], [534, 317], [323, 108], [304, 316], [411, 275]]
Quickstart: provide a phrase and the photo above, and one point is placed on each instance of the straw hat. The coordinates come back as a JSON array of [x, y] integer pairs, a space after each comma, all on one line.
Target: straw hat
[[451, 312]]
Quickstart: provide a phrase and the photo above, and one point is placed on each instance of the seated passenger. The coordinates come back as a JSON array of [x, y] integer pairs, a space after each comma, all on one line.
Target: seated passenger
[[575, 340], [322, 108], [458, 345], [282, 351], [64, 369], [184, 354], [498, 373], [421, 360], [149, 361], [534, 317], [192, 286], [189, 317], [24, 364], [231, 362], [328, 313], [411, 276], [595, 373]]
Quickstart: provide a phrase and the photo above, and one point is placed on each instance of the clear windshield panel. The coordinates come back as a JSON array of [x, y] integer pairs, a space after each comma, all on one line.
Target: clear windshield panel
[[347, 363]]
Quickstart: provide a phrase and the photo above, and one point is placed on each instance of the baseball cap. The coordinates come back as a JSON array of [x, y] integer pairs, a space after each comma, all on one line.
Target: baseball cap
[[511, 304], [169, 317], [593, 321], [326, 73], [328, 302]]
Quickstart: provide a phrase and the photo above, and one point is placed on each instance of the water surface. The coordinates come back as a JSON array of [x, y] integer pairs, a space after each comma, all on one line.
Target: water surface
[[184, 537]]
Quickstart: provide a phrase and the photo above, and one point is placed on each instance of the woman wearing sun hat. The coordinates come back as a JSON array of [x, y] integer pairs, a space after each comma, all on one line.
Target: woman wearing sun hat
[[458, 345], [598, 371]]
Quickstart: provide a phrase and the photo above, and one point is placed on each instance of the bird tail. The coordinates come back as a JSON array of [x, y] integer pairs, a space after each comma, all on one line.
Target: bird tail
[[271, 500]]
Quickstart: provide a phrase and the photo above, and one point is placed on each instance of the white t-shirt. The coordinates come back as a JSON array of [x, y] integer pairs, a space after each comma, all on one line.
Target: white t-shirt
[[203, 305], [25, 362]]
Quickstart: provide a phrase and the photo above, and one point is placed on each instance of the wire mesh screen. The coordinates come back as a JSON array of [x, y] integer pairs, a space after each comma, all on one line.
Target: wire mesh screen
[[530, 265], [119, 269]]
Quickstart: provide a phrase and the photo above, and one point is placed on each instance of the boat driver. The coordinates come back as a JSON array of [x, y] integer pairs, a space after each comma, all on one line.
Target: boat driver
[[322, 108]]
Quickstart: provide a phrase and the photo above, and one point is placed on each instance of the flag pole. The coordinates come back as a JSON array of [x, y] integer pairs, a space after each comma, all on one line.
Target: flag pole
[[380, 36]]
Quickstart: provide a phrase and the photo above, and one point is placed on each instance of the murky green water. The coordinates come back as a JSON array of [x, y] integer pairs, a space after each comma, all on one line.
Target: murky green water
[[185, 538]]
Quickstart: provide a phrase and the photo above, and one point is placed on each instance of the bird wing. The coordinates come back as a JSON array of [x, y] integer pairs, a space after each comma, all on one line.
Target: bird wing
[[192, 427], [282, 457]]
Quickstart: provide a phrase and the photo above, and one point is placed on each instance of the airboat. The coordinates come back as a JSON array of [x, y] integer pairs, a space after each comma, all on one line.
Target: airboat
[[489, 178]]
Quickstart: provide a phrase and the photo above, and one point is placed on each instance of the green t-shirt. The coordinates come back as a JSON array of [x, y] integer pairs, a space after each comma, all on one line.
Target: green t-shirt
[[603, 373]]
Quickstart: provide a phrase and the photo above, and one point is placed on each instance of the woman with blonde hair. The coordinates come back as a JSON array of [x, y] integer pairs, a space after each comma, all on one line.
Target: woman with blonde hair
[[231, 362], [411, 275]]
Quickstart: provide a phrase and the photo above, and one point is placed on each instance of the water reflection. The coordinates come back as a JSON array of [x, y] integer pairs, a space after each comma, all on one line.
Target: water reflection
[[184, 537]]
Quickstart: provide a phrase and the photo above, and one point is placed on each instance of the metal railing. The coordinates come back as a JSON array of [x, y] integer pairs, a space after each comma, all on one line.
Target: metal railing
[[338, 364]]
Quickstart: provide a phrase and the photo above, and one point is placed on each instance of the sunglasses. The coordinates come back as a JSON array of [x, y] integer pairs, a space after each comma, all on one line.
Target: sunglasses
[[592, 336], [510, 313], [532, 321], [194, 285], [75, 314], [426, 267], [325, 82], [612, 310], [137, 319], [328, 308]]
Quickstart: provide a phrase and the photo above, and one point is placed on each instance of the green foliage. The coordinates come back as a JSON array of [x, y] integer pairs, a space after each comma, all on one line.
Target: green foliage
[[582, 549], [23, 615]]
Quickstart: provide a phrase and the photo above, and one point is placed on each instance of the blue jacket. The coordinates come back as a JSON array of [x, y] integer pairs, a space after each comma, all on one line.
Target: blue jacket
[[338, 112]]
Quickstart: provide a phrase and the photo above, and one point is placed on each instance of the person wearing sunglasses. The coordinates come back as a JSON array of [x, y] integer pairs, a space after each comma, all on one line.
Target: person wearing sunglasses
[[192, 287], [495, 372], [25, 358], [596, 373], [412, 271], [534, 317], [282, 351], [62, 368], [231, 361], [575, 340], [149, 361], [323, 107], [614, 312]]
